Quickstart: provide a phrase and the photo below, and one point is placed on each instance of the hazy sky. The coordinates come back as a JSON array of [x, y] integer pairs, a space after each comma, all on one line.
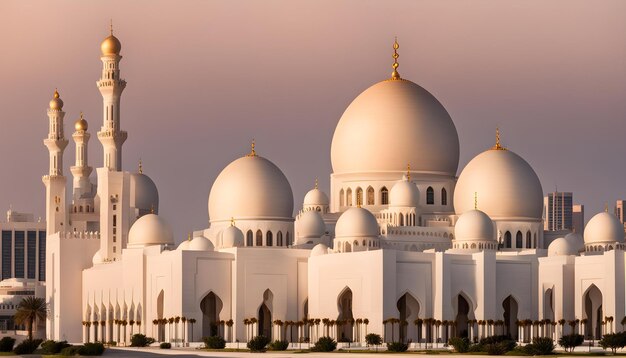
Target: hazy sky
[[205, 77]]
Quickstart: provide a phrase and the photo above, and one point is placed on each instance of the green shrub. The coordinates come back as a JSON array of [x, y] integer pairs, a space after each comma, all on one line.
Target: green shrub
[[6, 344], [278, 346], [27, 346], [460, 344], [497, 349], [373, 339], [70, 351], [140, 340], [53, 347], [258, 344], [539, 346], [397, 347], [91, 349], [214, 342], [111, 343], [324, 344], [571, 341], [613, 341], [165, 345]]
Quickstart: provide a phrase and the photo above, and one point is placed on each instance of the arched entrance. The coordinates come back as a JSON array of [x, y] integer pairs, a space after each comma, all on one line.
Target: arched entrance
[[548, 305], [265, 315], [161, 327], [510, 316], [409, 311], [592, 300], [462, 316], [211, 306], [344, 305]]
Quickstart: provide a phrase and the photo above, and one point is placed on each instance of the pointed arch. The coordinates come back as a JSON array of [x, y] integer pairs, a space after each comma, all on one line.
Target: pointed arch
[[430, 196], [359, 196], [518, 240], [249, 238], [444, 196], [342, 199], [349, 197], [511, 310], [370, 196], [344, 308], [593, 311], [464, 310], [265, 314], [259, 238], [279, 238], [269, 239], [528, 240], [211, 307], [507, 240], [409, 309], [384, 196]]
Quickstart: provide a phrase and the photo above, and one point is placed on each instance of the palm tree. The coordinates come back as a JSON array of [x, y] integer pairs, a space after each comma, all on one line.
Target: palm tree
[[29, 310], [366, 322], [184, 320], [253, 321], [229, 324], [192, 321]]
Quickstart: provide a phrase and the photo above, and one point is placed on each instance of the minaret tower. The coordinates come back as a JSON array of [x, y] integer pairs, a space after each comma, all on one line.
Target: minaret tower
[[81, 169], [55, 181], [111, 86]]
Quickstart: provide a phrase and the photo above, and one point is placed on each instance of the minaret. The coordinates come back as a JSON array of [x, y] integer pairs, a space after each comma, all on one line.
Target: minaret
[[111, 86], [81, 169], [55, 181]]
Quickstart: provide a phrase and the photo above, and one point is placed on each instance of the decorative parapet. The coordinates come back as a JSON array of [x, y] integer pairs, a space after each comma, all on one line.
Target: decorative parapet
[[80, 235]]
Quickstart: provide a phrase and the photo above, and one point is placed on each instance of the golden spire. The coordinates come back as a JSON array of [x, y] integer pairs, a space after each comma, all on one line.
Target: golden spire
[[498, 146], [188, 236], [152, 209], [252, 150], [408, 171], [606, 207], [395, 75], [56, 93], [316, 183], [232, 221], [111, 27], [475, 200], [140, 167]]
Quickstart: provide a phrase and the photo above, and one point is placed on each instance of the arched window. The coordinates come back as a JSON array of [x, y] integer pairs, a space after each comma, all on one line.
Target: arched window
[[370, 196], [288, 239], [518, 240], [259, 238], [384, 196], [535, 239], [359, 197], [269, 239], [401, 223], [349, 197], [249, 238], [507, 239], [444, 196], [342, 200], [430, 196], [528, 240], [279, 238]]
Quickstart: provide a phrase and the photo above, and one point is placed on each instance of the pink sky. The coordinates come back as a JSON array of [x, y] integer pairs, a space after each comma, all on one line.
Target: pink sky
[[205, 77]]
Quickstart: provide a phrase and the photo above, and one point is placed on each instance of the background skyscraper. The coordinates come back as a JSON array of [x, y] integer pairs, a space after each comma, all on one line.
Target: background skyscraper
[[558, 211]]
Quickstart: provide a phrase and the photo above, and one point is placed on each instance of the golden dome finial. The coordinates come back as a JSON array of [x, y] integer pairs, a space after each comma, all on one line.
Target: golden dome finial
[[152, 209], [188, 236], [232, 221], [498, 146], [81, 123], [395, 75], [408, 171], [56, 93], [140, 166], [111, 27], [475, 200], [252, 149], [316, 183]]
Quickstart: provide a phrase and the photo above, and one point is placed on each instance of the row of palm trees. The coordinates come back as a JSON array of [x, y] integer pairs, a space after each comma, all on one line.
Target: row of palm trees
[[306, 327], [172, 324]]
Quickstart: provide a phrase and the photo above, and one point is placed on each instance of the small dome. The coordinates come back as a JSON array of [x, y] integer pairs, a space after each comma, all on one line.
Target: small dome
[[604, 228], [404, 193], [81, 124], [56, 103], [200, 243], [150, 229], [110, 46], [316, 197], [144, 192], [184, 245], [232, 237], [393, 123], [319, 249], [474, 225], [251, 187], [356, 222], [506, 185], [564, 246], [97, 258], [311, 225]]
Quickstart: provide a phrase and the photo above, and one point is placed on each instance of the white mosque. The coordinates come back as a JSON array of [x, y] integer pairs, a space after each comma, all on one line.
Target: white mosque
[[402, 246]]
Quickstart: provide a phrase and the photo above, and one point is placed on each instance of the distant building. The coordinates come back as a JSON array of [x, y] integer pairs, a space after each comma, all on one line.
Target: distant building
[[557, 211], [578, 218], [619, 211]]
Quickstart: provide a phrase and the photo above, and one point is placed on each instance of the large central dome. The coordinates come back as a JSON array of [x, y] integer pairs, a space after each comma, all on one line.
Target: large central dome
[[253, 188], [391, 124]]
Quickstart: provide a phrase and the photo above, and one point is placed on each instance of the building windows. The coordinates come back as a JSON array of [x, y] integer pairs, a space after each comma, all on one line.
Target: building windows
[[528, 240], [518, 240], [249, 238], [349, 197], [507, 240], [19, 254], [31, 246], [430, 196], [114, 220], [42, 256], [342, 201], [359, 197], [6, 254], [269, 240], [288, 239], [384, 196], [370, 196], [444, 196], [279, 239], [259, 238]]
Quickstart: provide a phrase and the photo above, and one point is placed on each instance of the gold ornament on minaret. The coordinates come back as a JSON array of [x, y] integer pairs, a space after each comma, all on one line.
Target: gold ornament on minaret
[[395, 75], [111, 45], [498, 146], [81, 124], [56, 103]]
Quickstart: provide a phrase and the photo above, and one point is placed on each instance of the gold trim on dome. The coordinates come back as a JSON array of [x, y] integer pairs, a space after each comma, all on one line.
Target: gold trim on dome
[[252, 150], [498, 146], [140, 166], [395, 75], [316, 183], [408, 171], [475, 200]]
